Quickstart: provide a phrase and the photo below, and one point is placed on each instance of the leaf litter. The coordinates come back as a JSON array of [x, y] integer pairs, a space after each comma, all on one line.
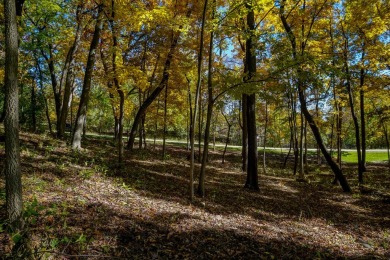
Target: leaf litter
[[91, 208]]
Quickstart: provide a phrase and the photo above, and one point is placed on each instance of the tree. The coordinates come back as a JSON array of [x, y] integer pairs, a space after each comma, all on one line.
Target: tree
[[300, 84], [250, 61], [210, 104], [82, 111], [68, 76], [164, 80], [14, 199]]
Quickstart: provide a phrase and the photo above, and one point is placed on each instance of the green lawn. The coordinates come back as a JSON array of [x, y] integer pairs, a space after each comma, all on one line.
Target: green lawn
[[371, 156]]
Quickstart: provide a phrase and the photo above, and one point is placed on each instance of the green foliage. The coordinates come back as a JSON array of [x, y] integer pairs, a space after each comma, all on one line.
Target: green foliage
[[86, 173], [32, 211]]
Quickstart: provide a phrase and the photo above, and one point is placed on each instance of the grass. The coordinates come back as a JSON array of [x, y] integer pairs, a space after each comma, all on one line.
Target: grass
[[371, 156]]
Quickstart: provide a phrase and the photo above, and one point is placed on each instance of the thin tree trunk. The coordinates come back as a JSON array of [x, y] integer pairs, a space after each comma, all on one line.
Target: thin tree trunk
[[200, 121], [54, 83], [69, 75], [387, 142], [82, 111], [196, 103], [362, 115], [227, 137], [165, 122], [190, 115], [265, 136], [290, 123], [318, 115], [295, 127], [140, 125], [332, 135], [48, 115], [210, 104], [215, 130], [352, 106], [301, 160], [305, 156], [33, 108], [156, 124], [116, 83], [40, 77]]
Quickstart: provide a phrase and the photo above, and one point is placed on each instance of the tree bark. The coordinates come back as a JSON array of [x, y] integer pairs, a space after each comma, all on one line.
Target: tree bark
[[196, 103], [120, 92], [227, 137], [250, 59], [265, 137], [352, 106], [362, 113], [301, 145], [165, 122], [54, 83], [33, 108], [210, 104], [13, 182], [84, 99], [69, 75], [244, 149]]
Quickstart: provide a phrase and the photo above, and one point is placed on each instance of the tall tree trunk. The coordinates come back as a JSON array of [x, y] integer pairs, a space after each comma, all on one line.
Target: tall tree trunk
[[265, 136], [387, 142], [47, 113], [156, 124], [13, 182], [250, 59], [362, 114], [119, 90], [140, 125], [295, 127], [196, 103], [33, 108], [200, 121], [190, 113], [84, 99], [165, 122], [244, 149], [301, 145], [210, 104], [306, 146], [54, 83], [227, 141], [291, 125], [318, 115], [69, 75], [352, 106], [317, 135]]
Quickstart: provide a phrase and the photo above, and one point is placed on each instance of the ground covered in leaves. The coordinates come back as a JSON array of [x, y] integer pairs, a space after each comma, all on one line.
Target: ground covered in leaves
[[84, 206]]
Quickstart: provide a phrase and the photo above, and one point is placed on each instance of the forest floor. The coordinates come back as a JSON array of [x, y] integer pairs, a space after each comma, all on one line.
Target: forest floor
[[83, 206]]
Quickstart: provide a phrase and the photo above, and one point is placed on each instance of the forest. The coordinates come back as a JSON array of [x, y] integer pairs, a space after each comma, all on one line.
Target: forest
[[195, 129]]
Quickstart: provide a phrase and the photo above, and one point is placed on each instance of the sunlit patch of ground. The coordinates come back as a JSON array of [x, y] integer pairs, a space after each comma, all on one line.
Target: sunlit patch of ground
[[88, 206]]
